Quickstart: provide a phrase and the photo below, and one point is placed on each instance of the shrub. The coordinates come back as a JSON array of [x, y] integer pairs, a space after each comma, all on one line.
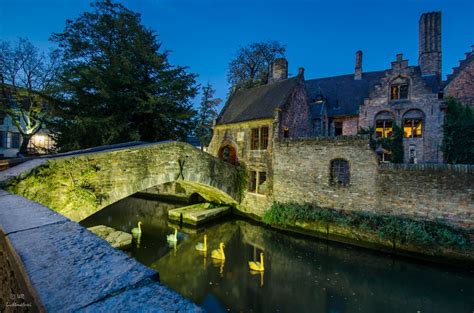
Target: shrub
[[393, 228]]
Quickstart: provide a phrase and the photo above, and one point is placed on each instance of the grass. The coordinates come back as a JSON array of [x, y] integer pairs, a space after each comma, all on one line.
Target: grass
[[393, 228]]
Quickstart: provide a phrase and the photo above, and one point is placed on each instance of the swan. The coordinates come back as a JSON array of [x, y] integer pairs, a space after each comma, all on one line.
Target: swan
[[137, 231], [218, 253], [173, 237], [202, 246], [257, 266]]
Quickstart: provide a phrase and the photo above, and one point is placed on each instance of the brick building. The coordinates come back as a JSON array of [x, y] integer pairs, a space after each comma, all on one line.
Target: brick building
[[296, 136], [410, 96]]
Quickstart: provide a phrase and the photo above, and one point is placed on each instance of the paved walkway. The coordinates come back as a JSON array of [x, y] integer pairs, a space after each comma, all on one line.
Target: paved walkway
[[70, 269]]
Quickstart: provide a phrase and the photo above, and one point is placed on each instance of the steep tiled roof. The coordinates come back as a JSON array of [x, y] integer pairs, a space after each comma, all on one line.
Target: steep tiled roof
[[258, 102], [343, 93]]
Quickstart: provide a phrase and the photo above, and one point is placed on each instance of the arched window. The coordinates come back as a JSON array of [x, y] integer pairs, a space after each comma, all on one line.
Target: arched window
[[228, 154], [399, 88], [340, 172], [384, 124], [413, 124]]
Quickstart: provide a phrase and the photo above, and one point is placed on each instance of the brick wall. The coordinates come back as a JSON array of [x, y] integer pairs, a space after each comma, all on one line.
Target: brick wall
[[462, 86], [301, 173]]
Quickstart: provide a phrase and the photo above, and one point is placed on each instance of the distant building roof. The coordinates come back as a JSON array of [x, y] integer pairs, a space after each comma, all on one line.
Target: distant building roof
[[469, 57], [343, 93], [258, 102]]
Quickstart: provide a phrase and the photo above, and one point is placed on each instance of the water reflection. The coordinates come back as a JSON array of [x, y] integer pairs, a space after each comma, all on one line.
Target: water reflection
[[301, 275]]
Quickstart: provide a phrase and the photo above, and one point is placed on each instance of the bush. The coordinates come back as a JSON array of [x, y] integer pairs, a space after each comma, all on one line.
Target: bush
[[393, 228]]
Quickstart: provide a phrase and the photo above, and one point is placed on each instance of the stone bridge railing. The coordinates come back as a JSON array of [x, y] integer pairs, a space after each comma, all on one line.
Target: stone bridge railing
[[79, 185]]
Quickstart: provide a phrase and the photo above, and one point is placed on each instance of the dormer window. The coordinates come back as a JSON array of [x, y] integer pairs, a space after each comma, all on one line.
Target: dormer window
[[399, 89]]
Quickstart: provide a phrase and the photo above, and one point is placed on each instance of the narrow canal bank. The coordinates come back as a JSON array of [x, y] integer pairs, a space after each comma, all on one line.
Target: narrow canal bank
[[320, 275], [434, 242], [346, 234]]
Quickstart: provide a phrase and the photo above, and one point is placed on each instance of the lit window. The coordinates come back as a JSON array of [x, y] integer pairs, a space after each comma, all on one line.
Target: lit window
[[383, 128], [399, 89], [340, 174], [412, 128], [384, 124], [413, 124]]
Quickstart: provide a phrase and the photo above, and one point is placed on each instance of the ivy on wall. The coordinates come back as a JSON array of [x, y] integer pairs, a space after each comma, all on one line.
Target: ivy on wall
[[394, 143]]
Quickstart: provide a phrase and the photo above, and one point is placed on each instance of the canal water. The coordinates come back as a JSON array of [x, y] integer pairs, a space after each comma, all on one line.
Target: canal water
[[301, 274]]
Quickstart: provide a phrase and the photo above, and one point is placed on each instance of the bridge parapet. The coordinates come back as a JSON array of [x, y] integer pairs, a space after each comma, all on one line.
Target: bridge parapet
[[79, 185]]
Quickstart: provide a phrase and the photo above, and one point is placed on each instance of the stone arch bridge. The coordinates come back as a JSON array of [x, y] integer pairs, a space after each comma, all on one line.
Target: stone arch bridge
[[83, 183]]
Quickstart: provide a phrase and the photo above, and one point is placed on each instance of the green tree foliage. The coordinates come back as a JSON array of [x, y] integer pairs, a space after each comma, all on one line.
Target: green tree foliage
[[458, 133], [27, 80], [250, 67], [116, 85], [206, 114]]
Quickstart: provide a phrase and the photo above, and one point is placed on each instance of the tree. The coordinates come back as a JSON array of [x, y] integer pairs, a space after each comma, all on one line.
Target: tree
[[116, 85], [27, 79], [206, 114], [458, 133], [250, 67]]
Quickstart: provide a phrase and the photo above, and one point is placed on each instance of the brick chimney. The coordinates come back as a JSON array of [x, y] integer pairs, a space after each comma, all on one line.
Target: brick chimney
[[358, 66], [301, 71], [429, 44], [278, 70]]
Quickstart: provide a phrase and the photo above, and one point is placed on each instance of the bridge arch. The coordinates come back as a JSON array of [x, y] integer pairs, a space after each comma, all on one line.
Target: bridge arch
[[78, 186]]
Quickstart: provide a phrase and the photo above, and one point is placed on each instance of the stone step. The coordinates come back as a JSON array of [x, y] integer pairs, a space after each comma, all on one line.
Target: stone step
[[197, 214], [116, 238]]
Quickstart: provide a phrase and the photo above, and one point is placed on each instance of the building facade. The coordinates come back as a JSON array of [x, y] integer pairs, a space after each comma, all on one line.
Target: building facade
[[297, 136]]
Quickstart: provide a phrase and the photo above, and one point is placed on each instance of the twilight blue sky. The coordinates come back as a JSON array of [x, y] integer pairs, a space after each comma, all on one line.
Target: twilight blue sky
[[321, 36]]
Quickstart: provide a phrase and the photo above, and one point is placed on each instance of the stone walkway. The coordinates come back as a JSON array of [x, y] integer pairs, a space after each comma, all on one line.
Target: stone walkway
[[70, 269]]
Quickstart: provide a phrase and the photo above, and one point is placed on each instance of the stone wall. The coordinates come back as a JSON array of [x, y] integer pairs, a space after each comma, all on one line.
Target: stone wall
[[301, 171], [80, 185], [420, 98]]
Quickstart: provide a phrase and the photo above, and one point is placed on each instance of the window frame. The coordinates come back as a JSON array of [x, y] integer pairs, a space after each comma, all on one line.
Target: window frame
[[259, 138], [334, 178], [402, 86], [255, 182]]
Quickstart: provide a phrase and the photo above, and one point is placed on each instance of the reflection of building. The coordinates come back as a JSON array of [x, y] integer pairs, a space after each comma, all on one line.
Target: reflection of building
[[10, 140]]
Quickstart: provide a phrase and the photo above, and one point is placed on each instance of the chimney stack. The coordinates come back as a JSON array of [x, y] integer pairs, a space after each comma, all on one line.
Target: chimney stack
[[278, 70], [429, 44], [301, 71], [358, 66]]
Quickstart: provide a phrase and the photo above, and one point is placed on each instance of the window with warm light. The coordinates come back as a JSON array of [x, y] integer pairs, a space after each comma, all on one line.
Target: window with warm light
[[413, 128], [413, 124], [384, 125], [399, 89]]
